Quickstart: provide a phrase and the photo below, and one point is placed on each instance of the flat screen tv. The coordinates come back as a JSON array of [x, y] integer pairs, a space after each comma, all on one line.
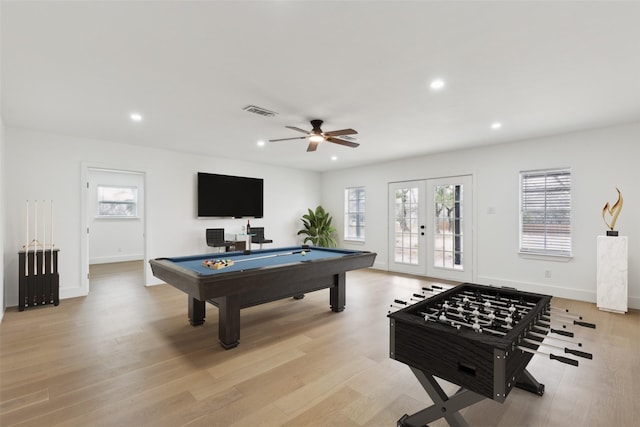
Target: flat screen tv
[[229, 196]]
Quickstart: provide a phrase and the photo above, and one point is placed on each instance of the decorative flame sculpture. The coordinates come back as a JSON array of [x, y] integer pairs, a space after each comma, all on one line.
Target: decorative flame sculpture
[[614, 211]]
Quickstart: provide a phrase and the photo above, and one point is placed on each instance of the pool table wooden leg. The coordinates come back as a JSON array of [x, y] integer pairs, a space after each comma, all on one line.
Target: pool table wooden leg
[[228, 321], [337, 292], [196, 311]]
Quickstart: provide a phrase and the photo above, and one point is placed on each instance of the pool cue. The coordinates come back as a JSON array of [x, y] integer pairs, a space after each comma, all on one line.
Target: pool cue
[[43, 280], [26, 246], [270, 256], [51, 236], [44, 233], [35, 239]]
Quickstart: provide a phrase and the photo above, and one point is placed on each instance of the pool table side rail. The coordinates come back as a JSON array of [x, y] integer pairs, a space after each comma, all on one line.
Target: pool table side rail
[[235, 282]]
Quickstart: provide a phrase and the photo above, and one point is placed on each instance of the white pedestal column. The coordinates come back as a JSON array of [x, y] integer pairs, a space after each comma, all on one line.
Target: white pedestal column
[[612, 282]]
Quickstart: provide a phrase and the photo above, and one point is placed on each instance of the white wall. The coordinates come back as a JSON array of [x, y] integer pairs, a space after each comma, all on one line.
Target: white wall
[[2, 216], [2, 207], [600, 160], [46, 166], [115, 239]]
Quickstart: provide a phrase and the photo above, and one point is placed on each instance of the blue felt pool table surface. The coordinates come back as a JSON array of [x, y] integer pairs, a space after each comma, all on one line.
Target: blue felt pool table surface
[[263, 258]]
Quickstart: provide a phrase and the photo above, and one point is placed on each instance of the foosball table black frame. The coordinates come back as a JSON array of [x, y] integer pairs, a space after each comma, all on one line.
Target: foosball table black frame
[[484, 365]]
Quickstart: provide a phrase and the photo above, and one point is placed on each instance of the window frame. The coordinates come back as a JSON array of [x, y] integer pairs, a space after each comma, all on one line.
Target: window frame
[[554, 205], [100, 200], [359, 214]]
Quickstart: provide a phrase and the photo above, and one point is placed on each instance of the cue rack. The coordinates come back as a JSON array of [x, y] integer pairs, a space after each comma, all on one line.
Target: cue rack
[[38, 278]]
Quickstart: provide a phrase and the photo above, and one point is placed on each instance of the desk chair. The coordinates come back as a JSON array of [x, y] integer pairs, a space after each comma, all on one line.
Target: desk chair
[[215, 238], [258, 236]]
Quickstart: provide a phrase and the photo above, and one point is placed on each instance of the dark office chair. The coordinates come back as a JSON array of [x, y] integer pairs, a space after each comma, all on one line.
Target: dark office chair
[[215, 238], [258, 236]]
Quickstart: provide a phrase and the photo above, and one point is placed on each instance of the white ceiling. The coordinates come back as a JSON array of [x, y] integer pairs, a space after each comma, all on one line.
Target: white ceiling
[[540, 67]]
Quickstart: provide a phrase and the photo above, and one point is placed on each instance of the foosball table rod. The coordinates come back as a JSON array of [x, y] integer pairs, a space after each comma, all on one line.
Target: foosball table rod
[[551, 356], [418, 297], [477, 327], [569, 322], [568, 350], [433, 290], [566, 312], [548, 328], [560, 338]]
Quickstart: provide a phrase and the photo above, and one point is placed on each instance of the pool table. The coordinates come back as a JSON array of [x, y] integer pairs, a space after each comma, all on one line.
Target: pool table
[[257, 277]]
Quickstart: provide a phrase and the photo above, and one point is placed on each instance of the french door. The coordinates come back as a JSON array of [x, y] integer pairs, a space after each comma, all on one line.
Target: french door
[[407, 238], [430, 228]]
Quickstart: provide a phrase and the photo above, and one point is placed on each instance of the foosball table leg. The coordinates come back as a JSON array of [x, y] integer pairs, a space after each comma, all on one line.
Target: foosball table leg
[[527, 382], [444, 406]]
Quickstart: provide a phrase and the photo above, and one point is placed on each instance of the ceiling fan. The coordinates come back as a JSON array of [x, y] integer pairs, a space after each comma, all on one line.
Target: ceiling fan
[[316, 136]]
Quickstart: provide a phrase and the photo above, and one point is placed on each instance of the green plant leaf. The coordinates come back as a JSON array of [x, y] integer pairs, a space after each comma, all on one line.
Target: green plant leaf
[[318, 228]]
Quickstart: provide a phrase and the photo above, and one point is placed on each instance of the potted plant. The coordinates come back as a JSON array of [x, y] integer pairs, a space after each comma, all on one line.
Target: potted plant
[[317, 228]]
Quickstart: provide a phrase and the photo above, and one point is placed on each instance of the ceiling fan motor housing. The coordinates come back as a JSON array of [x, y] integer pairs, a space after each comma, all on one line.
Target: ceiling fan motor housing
[[316, 126]]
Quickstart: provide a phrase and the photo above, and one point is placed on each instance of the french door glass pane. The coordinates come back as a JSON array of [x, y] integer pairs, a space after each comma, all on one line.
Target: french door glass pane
[[448, 226], [406, 226]]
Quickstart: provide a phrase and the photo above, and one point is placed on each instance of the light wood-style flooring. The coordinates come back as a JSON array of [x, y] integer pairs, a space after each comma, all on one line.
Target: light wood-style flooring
[[127, 356]]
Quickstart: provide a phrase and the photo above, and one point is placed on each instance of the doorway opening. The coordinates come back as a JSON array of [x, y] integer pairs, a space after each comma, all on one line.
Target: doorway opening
[[114, 223]]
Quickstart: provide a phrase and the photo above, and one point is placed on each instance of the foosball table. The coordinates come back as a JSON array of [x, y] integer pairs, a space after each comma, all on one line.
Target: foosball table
[[480, 338]]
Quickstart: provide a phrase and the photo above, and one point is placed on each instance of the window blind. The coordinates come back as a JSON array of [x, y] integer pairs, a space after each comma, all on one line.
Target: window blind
[[545, 212]]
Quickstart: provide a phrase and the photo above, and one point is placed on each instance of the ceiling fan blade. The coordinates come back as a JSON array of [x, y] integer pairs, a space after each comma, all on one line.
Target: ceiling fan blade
[[297, 129], [341, 132], [313, 146], [343, 142], [287, 139]]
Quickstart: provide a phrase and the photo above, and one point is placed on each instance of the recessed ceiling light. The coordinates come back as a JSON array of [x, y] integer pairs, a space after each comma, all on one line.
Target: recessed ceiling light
[[334, 158], [136, 117], [496, 125], [261, 143], [436, 84]]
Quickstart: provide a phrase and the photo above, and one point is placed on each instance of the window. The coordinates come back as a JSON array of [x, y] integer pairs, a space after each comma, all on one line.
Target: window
[[354, 214], [117, 202], [545, 212]]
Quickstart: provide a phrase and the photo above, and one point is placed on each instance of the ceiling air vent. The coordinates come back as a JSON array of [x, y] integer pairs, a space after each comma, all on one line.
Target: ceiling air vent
[[259, 110]]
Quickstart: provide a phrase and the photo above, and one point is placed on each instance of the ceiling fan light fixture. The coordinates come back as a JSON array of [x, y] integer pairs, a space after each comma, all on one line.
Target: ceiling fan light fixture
[[316, 136]]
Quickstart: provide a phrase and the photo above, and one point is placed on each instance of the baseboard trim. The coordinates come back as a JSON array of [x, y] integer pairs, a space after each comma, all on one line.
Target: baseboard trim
[[120, 258]]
